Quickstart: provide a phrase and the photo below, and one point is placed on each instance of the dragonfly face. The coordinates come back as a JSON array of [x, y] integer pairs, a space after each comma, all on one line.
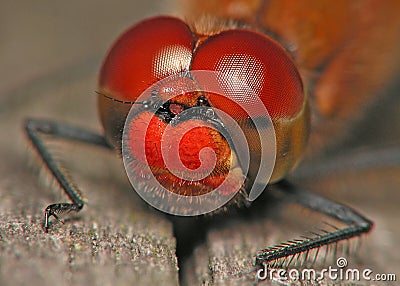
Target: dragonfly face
[[146, 54]]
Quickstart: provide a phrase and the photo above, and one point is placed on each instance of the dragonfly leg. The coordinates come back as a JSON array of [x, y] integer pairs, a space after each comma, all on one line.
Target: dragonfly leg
[[35, 129], [356, 224]]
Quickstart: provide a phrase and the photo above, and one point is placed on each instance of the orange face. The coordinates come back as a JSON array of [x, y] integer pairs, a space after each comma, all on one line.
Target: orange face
[[164, 46], [191, 136]]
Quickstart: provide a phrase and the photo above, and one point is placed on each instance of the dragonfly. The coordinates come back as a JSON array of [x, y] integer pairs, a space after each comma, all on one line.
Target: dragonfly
[[339, 72]]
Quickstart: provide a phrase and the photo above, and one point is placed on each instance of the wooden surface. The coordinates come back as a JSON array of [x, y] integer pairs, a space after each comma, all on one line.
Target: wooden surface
[[50, 56]]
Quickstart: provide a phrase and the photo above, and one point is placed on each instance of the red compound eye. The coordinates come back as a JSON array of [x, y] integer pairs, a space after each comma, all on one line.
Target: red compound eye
[[146, 53], [260, 63]]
